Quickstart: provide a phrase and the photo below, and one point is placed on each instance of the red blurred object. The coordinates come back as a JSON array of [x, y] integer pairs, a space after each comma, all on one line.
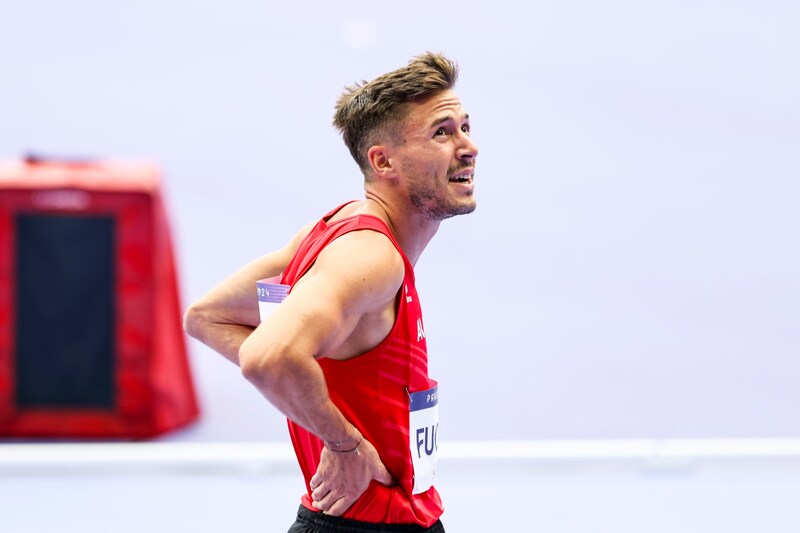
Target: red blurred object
[[91, 340]]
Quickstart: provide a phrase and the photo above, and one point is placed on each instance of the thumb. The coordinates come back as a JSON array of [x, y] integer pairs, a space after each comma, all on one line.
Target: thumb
[[379, 471], [383, 476]]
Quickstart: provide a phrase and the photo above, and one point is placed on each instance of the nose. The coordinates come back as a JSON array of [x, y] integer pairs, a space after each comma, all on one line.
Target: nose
[[467, 149]]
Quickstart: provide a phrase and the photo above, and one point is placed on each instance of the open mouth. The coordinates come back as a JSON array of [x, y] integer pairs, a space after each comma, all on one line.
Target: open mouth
[[461, 179]]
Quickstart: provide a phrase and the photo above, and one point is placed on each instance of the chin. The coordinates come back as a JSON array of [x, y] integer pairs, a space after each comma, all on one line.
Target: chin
[[464, 209]]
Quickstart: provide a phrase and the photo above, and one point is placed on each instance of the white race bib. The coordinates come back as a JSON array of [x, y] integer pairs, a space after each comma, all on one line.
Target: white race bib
[[423, 419], [270, 294]]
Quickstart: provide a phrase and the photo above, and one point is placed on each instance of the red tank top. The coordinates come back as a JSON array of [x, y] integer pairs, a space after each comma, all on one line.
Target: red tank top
[[372, 391]]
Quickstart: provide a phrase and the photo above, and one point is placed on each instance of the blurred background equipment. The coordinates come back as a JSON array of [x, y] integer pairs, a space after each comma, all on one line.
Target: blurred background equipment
[[91, 341]]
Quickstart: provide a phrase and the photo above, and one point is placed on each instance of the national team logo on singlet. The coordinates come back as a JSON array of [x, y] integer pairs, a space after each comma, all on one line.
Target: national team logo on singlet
[[423, 436]]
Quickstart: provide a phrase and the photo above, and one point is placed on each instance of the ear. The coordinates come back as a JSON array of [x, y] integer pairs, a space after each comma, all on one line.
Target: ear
[[381, 161]]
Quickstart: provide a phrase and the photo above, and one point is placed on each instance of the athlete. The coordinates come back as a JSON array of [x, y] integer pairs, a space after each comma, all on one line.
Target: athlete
[[344, 356]]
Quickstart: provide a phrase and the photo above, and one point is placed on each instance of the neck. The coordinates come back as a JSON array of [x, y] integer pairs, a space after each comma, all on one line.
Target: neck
[[411, 231]]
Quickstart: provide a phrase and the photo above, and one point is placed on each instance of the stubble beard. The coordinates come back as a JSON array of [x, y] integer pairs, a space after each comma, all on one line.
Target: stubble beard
[[431, 202]]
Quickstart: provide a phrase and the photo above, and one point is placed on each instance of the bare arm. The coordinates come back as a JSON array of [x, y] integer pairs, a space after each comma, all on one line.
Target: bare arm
[[357, 274], [225, 316]]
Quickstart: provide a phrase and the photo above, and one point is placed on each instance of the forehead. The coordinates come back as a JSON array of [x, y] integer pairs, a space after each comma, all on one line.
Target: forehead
[[433, 109]]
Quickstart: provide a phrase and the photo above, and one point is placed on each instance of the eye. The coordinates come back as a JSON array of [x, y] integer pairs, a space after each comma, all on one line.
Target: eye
[[440, 131], [465, 128]]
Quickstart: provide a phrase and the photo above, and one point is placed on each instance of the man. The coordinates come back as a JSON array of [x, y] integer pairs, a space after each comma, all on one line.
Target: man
[[344, 356]]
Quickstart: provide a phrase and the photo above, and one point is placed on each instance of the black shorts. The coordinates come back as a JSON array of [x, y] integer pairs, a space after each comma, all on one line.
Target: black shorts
[[315, 522]]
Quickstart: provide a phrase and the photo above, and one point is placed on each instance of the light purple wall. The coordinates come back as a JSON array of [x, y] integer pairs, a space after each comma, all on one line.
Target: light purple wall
[[638, 186]]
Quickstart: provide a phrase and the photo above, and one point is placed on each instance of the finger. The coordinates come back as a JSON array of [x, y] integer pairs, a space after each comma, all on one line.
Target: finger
[[315, 481], [319, 493], [324, 503], [340, 506]]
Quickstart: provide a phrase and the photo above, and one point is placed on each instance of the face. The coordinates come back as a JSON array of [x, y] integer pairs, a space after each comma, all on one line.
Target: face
[[437, 157]]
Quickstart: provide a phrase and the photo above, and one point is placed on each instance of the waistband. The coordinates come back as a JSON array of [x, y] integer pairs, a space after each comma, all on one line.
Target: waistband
[[323, 523]]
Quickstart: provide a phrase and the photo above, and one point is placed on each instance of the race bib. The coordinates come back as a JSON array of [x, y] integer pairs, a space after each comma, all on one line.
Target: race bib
[[424, 428], [270, 294]]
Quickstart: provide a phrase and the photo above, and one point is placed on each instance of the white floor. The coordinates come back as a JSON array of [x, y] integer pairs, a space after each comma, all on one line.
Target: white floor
[[177, 489]]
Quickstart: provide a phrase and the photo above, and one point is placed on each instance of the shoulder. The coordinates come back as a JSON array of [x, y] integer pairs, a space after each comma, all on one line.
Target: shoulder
[[362, 262], [364, 251]]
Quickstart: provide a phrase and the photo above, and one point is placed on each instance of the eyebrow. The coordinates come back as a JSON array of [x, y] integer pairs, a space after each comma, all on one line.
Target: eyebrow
[[446, 119]]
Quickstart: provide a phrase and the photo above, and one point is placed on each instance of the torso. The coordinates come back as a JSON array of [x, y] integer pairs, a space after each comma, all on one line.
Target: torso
[[373, 391]]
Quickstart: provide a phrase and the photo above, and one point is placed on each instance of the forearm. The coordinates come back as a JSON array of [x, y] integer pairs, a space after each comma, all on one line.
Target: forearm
[[225, 339], [296, 386], [225, 316], [208, 324]]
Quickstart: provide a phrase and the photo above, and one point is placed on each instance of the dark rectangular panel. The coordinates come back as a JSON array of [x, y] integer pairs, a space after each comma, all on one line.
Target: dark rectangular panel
[[65, 341]]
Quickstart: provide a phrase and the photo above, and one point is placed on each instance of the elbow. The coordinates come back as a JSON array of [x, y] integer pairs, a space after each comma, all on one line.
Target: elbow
[[257, 365], [249, 363]]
